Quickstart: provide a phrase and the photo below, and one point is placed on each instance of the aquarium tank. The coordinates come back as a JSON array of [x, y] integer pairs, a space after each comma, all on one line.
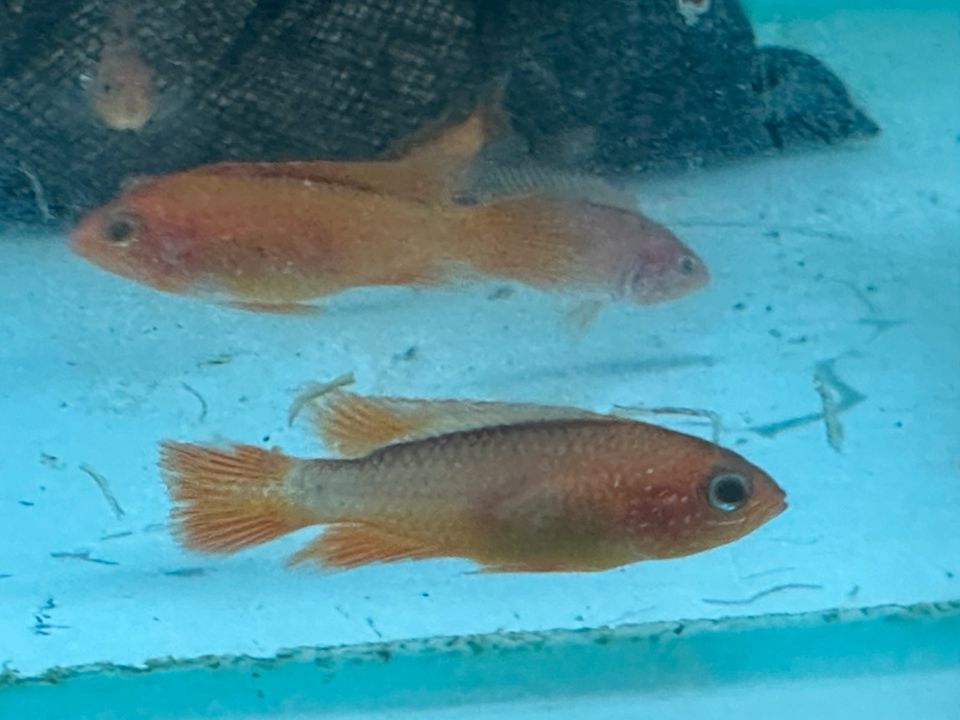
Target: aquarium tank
[[479, 359]]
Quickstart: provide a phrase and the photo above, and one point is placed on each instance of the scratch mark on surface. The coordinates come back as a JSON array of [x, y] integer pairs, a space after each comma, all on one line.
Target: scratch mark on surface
[[374, 627], [716, 425], [117, 535], [762, 594], [848, 397], [81, 555], [308, 393], [798, 230], [828, 392], [104, 486], [794, 541], [610, 368], [628, 616], [872, 318], [185, 572], [38, 195], [764, 573], [199, 397]]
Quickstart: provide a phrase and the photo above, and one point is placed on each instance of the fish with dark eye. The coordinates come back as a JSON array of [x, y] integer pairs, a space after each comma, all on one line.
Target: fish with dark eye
[[279, 237], [122, 90], [513, 487]]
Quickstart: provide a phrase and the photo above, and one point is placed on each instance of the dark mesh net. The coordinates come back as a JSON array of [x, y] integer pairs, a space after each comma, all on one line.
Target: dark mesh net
[[637, 84]]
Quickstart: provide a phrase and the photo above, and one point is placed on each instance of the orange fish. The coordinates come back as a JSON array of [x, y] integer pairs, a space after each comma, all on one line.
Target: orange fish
[[519, 488], [122, 89], [278, 236]]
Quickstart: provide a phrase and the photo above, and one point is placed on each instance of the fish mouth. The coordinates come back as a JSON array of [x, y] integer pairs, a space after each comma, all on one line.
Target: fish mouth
[[778, 509]]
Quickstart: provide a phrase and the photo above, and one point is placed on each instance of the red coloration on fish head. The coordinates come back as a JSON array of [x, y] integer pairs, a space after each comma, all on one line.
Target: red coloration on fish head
[[696, 498], [137, 237], [650, 263]]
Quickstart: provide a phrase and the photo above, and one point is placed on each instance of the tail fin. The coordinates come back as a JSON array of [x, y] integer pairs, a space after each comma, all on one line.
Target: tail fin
[[229, 499]]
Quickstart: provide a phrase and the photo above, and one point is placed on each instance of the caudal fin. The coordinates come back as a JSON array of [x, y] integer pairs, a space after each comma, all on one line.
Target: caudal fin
[[226, 500]]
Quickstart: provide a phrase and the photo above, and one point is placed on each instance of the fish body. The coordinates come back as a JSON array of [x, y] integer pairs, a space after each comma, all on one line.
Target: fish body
[[275, 235], [582, 493], [122, 92], [274, 239]]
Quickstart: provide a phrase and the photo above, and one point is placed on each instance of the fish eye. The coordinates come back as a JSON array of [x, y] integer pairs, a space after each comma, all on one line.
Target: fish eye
[[687, 265], [728, 491], [122, 227]]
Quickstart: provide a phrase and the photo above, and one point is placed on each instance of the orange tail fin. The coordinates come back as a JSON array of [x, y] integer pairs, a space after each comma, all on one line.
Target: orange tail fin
[[229, 499]]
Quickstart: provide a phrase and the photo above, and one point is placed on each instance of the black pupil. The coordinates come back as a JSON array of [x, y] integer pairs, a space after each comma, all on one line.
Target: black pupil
[[119, 230], [686, 264], [730, 491]]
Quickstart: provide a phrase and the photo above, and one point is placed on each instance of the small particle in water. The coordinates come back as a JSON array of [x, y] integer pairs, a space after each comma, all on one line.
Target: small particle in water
[[185, 572], [500, 293], [221, 359], [26, 503], [51, 461], [772, 233], [739, 306], [407, 355]]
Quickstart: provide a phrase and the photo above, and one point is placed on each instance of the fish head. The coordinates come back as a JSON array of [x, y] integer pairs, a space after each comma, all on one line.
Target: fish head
[[656, 265], [132, 237], [122, 91], [702, 496]]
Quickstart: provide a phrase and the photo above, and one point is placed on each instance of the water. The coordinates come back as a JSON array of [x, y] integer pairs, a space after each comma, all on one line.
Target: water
[[831, 267]]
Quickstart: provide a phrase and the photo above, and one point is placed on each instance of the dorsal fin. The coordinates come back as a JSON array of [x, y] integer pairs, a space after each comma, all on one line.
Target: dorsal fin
[[354, 425], [427, 171]]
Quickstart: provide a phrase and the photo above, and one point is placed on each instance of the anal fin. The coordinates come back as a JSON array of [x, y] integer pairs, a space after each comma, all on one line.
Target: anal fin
[[275, 308], [353, 545]]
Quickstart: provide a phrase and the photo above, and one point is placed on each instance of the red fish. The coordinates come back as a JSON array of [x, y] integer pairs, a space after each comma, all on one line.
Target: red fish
[[520, 488], [276, 236]]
